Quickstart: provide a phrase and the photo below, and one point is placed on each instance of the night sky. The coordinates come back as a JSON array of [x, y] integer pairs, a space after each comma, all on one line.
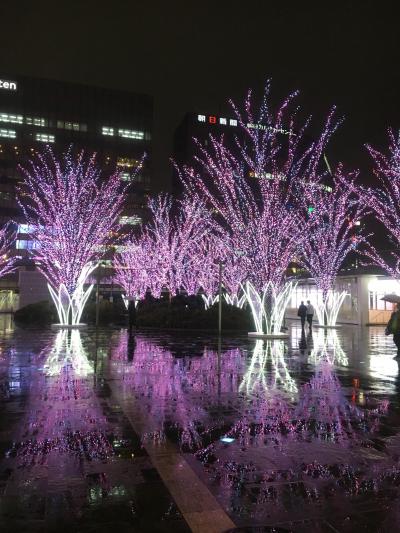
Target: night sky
[[193, 56]]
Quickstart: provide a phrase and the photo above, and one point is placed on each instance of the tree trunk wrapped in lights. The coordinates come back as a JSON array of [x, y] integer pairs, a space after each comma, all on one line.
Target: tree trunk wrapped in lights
[[72, 212], [334, 222], [254, 192], [7, 261]]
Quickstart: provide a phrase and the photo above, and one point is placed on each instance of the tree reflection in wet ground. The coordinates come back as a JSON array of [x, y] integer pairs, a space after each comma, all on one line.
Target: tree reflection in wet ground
[[302, 434], [70, 459]]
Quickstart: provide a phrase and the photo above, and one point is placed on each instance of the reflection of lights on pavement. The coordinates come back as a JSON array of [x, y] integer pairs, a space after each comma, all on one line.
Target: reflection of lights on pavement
[[383, 365], [258, 375], [68, 349], [227, 440], [327, 347]]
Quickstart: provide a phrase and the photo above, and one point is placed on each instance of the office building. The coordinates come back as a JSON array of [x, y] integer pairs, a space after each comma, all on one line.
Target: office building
[[200, 126], [117, 125]]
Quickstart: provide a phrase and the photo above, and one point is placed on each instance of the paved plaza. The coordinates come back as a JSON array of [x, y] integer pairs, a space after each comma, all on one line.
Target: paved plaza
[[156, 432]]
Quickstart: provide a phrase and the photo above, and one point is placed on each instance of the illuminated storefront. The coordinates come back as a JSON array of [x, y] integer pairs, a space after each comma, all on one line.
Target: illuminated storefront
[[363, 303]]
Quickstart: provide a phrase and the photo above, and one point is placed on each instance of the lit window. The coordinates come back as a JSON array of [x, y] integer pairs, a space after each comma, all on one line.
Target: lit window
[[25, 229], [222, 121], [126, 162], [107, 131], [130, 220], [10, 134], [13, 119], [131, 134], [36, 121], [75, 126], [232, 122], [26, 245], [5, 196], [121, 248], [125, 176], [201, 118], [71, 126], [44, 137]]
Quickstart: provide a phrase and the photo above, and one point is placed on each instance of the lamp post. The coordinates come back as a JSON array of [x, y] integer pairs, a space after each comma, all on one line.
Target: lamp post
[[220, 298], [98, 293]]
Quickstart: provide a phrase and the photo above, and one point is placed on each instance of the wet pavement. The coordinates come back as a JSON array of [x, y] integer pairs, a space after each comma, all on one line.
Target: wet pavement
[[161, 432]]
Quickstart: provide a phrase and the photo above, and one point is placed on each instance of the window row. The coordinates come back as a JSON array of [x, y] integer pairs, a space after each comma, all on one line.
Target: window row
[[126, 134], [19, 119], [73, 126], [40, 137], [132, 220]]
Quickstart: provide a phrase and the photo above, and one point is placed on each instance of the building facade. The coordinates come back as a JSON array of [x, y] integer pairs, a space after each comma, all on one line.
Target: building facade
[[116, 125], [35, 113], [201, 126]]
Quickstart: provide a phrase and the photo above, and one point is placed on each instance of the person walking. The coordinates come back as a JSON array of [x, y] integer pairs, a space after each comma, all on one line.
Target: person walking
[[302, 313], [310, 314], [393, 328]]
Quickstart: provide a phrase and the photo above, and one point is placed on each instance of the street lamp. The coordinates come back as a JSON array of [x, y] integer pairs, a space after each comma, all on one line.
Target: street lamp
[[237, 253], [221, 266]]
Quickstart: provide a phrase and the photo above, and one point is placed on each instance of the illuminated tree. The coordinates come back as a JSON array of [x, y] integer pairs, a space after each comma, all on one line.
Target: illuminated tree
[[7, 261], [385, 203], [334, 230], [171, 251], [202, 272], [137, 268], [72, 212], [253, 192], [180, 238]]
